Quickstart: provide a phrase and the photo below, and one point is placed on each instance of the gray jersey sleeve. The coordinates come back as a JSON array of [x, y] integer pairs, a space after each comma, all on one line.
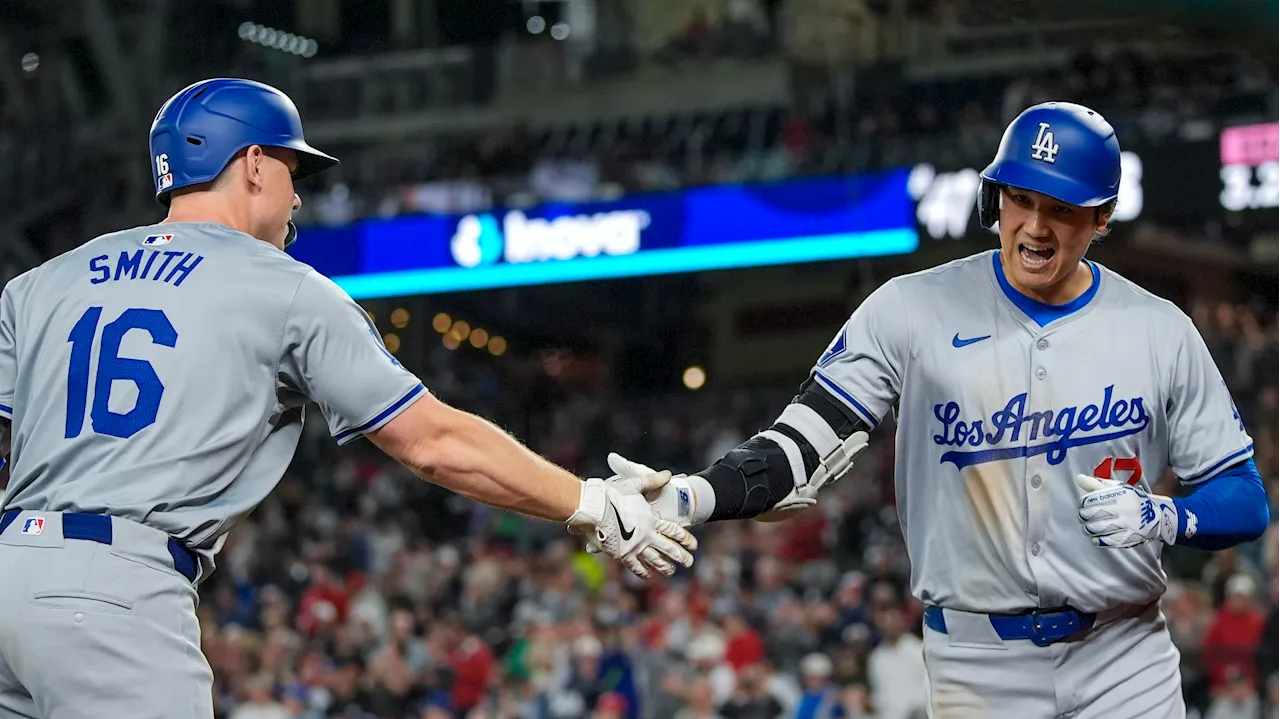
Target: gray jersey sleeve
[[864, 365], [1206, 434], [8, 365], [334, 355], [8, 351]]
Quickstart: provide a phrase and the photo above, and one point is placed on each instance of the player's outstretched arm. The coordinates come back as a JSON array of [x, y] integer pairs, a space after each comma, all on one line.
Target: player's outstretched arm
[[333, 355], [470, 456]]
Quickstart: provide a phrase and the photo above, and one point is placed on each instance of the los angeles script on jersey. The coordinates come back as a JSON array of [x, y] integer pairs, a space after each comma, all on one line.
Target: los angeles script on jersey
[[1058, 430], [145, 265]]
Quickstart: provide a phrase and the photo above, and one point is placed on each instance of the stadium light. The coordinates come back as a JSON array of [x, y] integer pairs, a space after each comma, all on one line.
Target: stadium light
[[694, 377], [399, 318], [278, 39]]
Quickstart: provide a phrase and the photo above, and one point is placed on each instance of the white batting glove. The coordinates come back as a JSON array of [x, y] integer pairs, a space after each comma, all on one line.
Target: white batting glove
[[625, 528], [1116, 514], [672, 500]]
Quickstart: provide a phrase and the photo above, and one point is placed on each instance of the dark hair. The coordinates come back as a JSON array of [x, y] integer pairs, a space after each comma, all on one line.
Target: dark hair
[[1107, 209]]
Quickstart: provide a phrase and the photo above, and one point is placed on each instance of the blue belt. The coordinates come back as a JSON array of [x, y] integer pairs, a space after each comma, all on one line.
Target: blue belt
[[1042, 626], [97, 528]]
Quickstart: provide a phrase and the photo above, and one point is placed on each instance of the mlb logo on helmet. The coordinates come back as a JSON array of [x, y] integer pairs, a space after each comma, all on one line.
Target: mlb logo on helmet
[[33, 525], [166, 181], [158, 239]]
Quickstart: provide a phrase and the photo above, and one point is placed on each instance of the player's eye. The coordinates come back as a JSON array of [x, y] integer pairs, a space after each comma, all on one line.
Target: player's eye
[[1062, 209]]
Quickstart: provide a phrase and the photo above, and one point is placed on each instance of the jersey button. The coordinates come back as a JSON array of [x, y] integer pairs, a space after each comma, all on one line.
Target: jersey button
[[1040, 373], [1035, 482], [1043, 344], [1035, 549]]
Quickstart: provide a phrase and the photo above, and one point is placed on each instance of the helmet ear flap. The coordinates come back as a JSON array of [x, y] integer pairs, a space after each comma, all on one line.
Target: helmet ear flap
[[988, 204]]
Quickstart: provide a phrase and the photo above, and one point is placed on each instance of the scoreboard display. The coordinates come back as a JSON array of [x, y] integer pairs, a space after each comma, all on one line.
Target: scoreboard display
[[1250, 167]]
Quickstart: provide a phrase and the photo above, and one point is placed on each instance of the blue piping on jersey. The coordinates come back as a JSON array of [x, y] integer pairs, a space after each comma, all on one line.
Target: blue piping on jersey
[[6, 409], [1043, 313], [1218, 465], [345, 434], [831, 385], [1229, 509]]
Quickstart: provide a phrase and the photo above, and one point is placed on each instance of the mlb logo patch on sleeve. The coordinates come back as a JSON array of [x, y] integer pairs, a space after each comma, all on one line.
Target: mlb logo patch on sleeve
[[33, 525], [158, 240]]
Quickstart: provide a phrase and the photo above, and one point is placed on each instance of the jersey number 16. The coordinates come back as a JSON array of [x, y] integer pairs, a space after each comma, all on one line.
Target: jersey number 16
[[112, 368]]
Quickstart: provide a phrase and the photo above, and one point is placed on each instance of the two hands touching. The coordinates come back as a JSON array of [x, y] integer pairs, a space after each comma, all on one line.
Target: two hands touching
[[655, 504], [621, 524]]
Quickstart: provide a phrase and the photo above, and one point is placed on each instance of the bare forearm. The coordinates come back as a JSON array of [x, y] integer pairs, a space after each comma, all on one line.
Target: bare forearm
[[474, 458]]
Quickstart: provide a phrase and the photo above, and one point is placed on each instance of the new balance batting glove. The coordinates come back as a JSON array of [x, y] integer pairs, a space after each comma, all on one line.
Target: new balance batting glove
[[1118, 515]]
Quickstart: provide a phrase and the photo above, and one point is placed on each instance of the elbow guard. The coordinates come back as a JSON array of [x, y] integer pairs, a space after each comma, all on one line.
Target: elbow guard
[[779, 471]]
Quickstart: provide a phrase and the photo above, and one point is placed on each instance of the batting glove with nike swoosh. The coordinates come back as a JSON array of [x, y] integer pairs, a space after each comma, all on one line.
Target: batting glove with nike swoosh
[[624, 527], [672, 500], [1118, 515]]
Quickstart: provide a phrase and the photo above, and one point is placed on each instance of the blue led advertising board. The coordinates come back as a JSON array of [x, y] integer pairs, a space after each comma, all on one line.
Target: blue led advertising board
[[702, 228]]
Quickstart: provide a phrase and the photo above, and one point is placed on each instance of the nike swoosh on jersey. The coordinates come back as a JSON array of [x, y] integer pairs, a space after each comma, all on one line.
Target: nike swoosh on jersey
[[627, 534], [957, 342]]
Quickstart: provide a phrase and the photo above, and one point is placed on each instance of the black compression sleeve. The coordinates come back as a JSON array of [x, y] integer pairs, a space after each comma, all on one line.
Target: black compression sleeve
[[749, 480], [755, 476]]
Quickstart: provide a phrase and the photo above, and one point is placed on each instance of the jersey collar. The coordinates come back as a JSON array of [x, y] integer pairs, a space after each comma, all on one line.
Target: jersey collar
[[1040, 312]]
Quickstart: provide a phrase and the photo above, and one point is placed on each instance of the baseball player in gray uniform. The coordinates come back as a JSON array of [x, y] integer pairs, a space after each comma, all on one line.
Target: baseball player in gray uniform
[[1038, 397], [152, 390]]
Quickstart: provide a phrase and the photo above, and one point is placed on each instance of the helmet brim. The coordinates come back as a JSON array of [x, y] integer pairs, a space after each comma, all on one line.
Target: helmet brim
[[310, 160], [1047, 181]]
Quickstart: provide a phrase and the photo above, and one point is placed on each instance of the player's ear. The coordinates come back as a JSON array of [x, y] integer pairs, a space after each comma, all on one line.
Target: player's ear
[[254, 165]]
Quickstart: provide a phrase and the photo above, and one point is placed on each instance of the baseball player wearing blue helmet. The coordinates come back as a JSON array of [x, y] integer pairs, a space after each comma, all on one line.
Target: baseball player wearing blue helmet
[[1052, 187], [153, 387], [1039, 396], [203, 128]]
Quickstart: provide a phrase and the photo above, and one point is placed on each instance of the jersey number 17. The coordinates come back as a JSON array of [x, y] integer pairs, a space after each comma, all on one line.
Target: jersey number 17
[[111, 368]]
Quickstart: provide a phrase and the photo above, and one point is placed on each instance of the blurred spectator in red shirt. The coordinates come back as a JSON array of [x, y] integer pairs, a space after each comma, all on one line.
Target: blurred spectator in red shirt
[[744, 644], [323, 604], [472, 669], [1231, 640]]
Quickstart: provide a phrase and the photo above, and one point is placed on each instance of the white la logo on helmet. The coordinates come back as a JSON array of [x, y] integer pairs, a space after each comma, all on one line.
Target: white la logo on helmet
[[1044, 149]]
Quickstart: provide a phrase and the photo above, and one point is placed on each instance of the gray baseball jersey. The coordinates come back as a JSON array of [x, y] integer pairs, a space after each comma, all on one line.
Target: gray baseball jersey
[[1001, 401], [159, 374]]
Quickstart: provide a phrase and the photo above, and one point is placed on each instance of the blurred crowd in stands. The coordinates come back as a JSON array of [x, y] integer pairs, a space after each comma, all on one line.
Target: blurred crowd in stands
[[358, 591]]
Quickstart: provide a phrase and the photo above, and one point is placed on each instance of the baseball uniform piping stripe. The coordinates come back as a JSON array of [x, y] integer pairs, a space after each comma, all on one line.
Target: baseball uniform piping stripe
[[6, 409], [1220, 464], [848, 398], [381, 415], [792, 450], [803, 419]]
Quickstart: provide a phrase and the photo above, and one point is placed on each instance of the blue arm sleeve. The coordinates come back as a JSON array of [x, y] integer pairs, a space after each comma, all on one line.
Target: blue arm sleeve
[[1225, 511]]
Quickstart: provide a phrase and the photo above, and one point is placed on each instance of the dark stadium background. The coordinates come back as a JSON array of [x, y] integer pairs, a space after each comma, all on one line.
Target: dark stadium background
[[356, 591]]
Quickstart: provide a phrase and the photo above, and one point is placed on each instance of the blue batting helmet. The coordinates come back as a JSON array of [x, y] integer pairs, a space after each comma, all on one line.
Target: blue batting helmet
[[1063, 150], [200, 129]]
